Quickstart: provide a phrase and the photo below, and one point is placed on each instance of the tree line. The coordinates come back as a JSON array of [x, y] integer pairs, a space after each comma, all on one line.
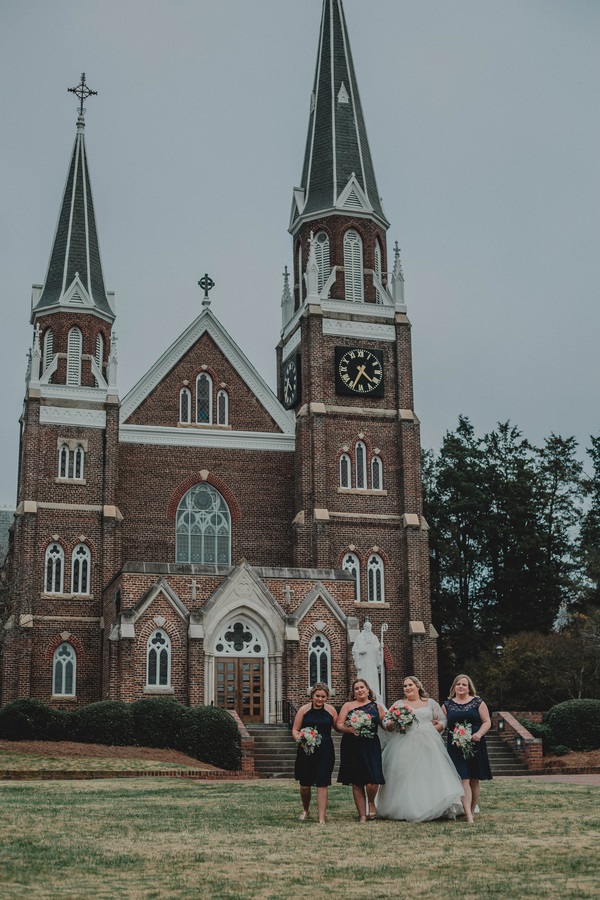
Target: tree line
[[515, 563]]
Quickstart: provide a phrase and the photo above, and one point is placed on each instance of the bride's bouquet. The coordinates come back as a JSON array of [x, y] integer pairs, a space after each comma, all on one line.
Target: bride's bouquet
[[462, 738], [362, 723], [401, 717], [309, 739]]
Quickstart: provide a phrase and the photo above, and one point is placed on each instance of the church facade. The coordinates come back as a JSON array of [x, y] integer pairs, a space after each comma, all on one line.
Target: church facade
[[203, 537]]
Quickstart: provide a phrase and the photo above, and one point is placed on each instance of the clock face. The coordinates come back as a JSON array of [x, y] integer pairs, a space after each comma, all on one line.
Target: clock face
[[290, 379], [359, 371]]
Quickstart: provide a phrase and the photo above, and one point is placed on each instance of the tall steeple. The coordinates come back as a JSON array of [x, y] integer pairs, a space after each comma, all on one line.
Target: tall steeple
[[337, 201], [338, 172], [74, 276]]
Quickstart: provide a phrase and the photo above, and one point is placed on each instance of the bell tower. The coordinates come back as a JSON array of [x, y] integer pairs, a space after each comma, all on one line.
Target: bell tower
[[345, 368], [66, 541]]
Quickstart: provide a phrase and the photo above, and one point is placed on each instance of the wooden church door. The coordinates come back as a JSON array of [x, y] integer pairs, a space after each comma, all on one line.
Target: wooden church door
[[240, 686]]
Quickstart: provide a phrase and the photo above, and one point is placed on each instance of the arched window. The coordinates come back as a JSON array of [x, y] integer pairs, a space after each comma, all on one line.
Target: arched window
[[222, 408], [360, 457], [78, 462], [353, 265], [319, 660], [99, 351], [63, 461], [204, 398], [158, 669], [185, 405], [203, 527], [48, 348], [322, 254], [80, 570], [345, 471], [351, 564], [376, 474], [379, 298], [64, 671], [375, 579], [74, 344], [54, 569]]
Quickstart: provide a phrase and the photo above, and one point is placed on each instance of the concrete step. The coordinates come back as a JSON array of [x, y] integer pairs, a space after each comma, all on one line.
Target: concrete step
[[275, 753]]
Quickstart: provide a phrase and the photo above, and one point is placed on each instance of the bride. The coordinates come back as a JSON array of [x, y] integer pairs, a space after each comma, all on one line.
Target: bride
[[420, 779]]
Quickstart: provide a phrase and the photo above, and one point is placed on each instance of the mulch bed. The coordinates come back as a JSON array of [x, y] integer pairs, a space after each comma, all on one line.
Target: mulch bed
[[56, 749]]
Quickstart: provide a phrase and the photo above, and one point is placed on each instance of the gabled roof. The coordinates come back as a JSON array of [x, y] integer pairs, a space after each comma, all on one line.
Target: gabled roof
[[75, 252], [207, 323], [336, 147]]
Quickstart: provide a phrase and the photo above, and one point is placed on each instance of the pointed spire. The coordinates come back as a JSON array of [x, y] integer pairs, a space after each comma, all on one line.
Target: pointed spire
[[287, 301], [337, 149], [75, 270], [398, 280]]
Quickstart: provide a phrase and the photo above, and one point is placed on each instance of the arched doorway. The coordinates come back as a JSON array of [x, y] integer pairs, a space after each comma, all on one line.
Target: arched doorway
[[240, 684]]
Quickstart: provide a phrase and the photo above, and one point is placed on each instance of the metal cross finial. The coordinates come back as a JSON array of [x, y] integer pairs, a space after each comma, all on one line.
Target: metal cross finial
[[207, 284], [83, 92]]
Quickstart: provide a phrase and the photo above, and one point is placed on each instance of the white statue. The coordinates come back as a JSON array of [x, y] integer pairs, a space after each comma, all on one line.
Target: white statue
[[366, 653]]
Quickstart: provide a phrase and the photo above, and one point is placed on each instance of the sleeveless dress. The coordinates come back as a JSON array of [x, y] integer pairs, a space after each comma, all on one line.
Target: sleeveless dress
[[421, 783], [360, 757], [316, 768], [478, 766]]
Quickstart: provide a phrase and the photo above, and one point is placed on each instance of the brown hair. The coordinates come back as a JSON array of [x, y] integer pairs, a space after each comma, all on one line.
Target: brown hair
[[366, 684], [453, 685], [423, 695], [319, 686]]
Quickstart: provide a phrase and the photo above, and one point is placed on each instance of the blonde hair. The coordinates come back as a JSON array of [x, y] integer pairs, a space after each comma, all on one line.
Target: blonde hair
[[470, 683], [366, 684], [319, 686], [423, 695]]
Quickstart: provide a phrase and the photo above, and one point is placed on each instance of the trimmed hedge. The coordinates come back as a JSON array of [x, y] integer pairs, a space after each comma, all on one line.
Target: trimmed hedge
[[32, 720], [204, 732], [157, 722], [575, 723], [211, 734], [106, 722]]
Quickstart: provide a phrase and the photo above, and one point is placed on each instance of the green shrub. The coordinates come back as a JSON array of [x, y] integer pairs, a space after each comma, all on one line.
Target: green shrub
[[32, 720], [157, 721], [575, 723], [106, 722], [211, 734]]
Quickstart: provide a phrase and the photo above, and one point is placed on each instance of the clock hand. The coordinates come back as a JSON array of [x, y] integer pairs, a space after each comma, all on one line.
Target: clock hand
[[361, 372]]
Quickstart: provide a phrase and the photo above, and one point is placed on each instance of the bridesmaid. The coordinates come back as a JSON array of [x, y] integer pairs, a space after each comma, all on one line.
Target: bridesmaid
[[462, 706], [360, 757], [315, 768]]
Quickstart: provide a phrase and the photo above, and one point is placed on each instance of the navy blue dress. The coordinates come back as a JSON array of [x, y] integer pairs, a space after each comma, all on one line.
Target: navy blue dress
[[360, 757], [316, 768], [478, 766]]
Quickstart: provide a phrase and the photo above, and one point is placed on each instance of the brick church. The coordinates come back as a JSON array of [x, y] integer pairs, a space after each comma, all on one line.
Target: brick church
[[202, 537]]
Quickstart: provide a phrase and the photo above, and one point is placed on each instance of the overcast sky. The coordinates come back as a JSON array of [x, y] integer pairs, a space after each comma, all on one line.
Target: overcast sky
[[483, 124]]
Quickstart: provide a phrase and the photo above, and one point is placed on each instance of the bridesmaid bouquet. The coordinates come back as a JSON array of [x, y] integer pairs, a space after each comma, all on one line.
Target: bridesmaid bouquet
[[461, 738], [362, 723], [401, 716], [309, 739]]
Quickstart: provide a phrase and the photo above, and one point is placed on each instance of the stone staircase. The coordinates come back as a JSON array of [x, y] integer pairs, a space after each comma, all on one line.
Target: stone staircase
[[502, 760], [275, 753]]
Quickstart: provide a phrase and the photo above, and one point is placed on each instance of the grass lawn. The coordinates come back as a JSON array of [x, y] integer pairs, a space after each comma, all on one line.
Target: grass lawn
[[160, 839]]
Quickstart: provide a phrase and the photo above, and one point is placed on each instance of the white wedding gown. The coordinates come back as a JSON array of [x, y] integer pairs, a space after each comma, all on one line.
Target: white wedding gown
[[421, 782]]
